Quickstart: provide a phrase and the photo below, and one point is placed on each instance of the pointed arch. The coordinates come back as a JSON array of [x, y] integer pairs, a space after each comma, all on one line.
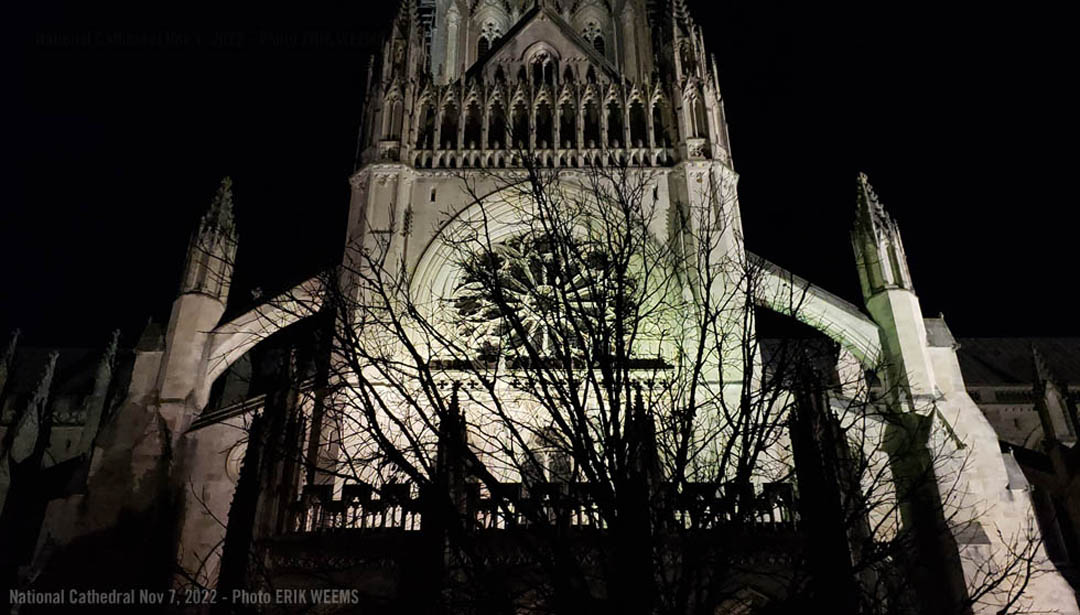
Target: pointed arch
[[567, 124], [545, 124], [519, 124], [700, 117], [591, 118], [496, 125], [639, 136], [661, 124], [393, 116], [614, 112], [473, 125], [448, 132], [425, 129]]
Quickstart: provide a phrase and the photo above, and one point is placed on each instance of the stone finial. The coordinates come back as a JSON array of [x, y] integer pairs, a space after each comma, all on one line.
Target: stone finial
[[680, 14], [879, 250], [152, 338], [455, 403], [452, 426], [870, 210], [212, 250], [95, 403], [105, 367], [44, 383], [109, 357], [219, 217], [1042, 370], [28, 430], [6, 359]]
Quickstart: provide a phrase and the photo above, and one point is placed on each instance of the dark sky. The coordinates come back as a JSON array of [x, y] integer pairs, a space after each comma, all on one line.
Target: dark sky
[[121, 119]]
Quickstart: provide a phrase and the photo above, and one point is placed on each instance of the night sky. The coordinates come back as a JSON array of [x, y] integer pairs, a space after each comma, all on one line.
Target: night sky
[[121, 120]]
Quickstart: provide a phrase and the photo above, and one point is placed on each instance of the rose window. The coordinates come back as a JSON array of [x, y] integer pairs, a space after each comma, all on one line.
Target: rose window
[[525, 294]]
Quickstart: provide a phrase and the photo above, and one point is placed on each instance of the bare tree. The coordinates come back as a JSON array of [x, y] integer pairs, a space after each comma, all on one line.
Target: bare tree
[[581, 417]]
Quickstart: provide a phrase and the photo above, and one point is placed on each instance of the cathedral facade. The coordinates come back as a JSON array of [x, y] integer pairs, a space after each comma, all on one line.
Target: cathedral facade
[[469, 98]]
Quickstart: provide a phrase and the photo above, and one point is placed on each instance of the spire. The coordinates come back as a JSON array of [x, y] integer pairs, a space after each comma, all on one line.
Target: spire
[[891, 301], [220, 214], [32, 429], [212, 250], [95, 403], [879, 251], [44, 383], [455, 421], [646, 459], [681, 18], [108, 359], [450, 454], [450, 427], [870, 211]]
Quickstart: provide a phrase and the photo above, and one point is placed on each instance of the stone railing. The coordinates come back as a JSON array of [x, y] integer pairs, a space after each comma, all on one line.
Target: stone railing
[[698, 506], [469, 158], [360, 508]]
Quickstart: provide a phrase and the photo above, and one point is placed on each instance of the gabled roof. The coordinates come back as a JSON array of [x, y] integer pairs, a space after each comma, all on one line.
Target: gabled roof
[[1008, 360], [532, 17]]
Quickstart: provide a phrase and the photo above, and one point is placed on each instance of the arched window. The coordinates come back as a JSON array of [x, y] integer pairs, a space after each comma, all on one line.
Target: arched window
[[543, 70], [894, 262], [482, 47], [473, 123], [598, 43], [496, 126], [426, 130], [392, 119], [701, 119], [551, 293], [545, 126], [567, 124], [520, 125], [592, 124], [614, 124], [449, 129], [638, 129], [397, 114], [660, 133]]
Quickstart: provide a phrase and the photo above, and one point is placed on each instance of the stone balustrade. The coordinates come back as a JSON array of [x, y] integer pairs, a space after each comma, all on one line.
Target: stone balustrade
[[543, 157], [698, 506]]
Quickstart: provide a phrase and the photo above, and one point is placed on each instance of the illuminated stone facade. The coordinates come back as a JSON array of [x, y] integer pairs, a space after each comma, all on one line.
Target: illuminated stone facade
[[472, 84]]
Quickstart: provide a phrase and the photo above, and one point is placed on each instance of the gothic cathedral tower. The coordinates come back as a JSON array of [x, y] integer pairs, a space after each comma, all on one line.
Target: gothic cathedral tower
[[487, 86]]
